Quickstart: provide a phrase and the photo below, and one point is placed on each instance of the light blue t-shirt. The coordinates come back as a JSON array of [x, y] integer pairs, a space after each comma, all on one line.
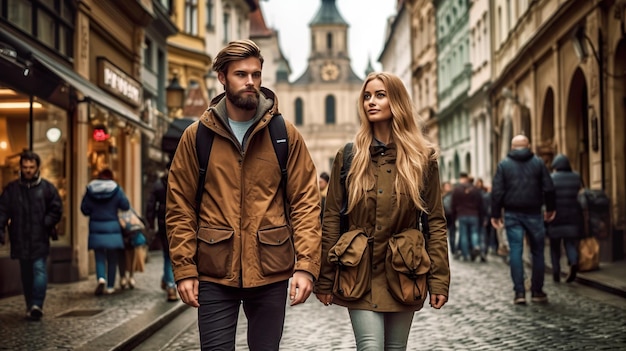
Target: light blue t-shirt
[[240, 128]]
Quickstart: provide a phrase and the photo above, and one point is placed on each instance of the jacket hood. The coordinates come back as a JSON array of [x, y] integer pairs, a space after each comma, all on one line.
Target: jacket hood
[[521, 154], [561, 163], [102, 188]]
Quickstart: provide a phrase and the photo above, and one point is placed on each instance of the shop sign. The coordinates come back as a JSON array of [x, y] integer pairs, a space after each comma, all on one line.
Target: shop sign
[[100, 133], [118, 83]]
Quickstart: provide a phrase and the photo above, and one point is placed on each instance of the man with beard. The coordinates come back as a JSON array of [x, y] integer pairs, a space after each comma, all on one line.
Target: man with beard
[[238, 247], [31, 206]]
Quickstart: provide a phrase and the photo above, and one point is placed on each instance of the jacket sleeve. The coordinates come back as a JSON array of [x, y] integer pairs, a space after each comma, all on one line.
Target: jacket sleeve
[[549, 194], [54, 207], [439, 275], [330, 225], [151, 206], [85, 207], [304, 199], [123, 203], [497, 193], [180, 217]]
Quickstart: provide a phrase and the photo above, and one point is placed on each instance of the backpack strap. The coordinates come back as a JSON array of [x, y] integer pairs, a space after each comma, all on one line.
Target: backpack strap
[[204, 143], [343, 175], [278, 134]]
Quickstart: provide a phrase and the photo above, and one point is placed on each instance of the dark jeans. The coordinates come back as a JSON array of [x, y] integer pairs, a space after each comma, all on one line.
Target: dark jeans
[[34, 281], [219, 310], [516, 225], [571, 251]]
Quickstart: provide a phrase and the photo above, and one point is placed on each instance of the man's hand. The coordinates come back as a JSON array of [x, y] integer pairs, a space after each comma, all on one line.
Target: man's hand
[[549, 216], [188, 291], [497, 223], [301, 287], [437, 301]]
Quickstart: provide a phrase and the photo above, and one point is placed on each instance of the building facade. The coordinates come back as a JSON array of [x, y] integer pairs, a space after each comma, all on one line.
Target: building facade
[[322, 102]]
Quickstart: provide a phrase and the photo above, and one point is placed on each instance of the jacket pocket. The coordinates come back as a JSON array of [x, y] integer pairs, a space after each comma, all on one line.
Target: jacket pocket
[[276, 251], [406, 266], [352, 259], [215, 251]]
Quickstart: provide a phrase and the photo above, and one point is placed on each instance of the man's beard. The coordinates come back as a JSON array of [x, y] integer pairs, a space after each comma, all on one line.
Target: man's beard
[[249, 102]]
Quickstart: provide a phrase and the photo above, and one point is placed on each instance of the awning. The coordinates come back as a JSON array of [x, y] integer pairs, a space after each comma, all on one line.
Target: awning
[[94, 93]]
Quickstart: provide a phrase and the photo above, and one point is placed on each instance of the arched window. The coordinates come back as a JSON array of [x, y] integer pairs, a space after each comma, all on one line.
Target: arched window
[[330, 109], [299, 112]]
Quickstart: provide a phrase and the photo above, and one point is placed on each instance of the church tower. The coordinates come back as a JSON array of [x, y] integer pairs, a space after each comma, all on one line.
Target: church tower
[[322, 102]]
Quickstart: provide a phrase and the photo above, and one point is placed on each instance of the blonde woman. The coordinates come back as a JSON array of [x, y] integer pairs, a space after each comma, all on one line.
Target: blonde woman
[[393, 180]]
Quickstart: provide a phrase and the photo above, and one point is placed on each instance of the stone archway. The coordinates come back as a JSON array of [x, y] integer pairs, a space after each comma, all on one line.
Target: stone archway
[[545, 146], [576, 126]]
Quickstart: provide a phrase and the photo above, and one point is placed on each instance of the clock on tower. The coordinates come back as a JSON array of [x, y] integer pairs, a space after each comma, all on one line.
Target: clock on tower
[[329, 71]]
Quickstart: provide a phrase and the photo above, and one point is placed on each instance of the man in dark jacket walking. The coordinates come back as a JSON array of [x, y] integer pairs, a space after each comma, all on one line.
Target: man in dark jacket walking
[[156, 210], [33, 207], [567, 226], [467, 208], [522, 186]]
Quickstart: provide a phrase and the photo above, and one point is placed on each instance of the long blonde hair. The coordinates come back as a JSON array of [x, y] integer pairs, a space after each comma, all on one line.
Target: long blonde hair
[[414, 151]]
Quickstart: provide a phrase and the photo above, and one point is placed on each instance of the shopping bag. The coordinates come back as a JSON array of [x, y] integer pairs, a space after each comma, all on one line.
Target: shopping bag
[[588, 254]]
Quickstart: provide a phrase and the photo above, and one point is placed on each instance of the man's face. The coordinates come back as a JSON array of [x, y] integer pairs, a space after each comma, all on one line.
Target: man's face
[[28, 168], [242, 83]]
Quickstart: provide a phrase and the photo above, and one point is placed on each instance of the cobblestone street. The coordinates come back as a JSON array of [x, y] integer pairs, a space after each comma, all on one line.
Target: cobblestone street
[[479, 316]]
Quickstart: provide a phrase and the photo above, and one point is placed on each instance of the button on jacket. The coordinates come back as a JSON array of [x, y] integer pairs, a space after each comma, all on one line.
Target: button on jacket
[[380, 218], [240, 239]]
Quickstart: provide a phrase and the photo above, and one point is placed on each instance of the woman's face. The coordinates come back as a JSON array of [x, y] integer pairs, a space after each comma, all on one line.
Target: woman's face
[[376, 102]]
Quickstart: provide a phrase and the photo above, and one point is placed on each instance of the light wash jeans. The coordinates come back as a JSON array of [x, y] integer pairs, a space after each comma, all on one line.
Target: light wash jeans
[[168, 274], [517, 224], [34, 281], [376, 331]]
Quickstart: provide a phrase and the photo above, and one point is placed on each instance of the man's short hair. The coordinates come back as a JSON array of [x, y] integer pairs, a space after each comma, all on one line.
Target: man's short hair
[[236, 51], [30, 156], [463, 175], [325, 176], [105, 174]]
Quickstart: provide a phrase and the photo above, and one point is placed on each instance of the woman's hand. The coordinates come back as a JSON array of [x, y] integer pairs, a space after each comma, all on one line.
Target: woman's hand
[[326, 299]]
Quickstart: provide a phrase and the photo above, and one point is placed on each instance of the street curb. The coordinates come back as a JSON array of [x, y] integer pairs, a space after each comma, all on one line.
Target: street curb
[[127, 336], [601, 286]]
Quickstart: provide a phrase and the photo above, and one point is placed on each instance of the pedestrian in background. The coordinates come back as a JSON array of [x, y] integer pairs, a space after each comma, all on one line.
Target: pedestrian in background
[[31, 207], [521, 187], [392, 179], [240, 247], [155, 212], [323, 181], [467, 209], [101, 202], [446, 190], [567, 226], [487, 238]]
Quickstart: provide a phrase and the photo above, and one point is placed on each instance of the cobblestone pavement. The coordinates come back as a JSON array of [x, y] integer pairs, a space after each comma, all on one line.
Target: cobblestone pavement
[[89, 316], [479, 316]]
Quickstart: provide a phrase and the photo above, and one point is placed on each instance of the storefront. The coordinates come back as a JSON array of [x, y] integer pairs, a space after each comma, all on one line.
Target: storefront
[[78, 122]]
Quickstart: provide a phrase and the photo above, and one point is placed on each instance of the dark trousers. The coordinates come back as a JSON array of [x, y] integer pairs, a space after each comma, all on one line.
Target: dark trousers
[[263, 306]]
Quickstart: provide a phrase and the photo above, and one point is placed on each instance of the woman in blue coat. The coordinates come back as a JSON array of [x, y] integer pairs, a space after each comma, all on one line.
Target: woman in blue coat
[[566, 227], [102, 201]]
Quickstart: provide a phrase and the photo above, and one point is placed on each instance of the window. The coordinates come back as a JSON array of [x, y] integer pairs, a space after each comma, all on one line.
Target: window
[[148, 55], [49, 21], [191, 17], [330, 109], [329, 41], [210, 16], [299, 112], [226, 24]]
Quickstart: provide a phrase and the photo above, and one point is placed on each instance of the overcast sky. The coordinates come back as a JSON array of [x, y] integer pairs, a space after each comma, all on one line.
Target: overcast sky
[[367, 20]]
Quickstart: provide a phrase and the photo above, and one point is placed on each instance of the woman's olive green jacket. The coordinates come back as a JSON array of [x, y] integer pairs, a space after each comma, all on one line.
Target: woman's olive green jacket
[[380, 217]]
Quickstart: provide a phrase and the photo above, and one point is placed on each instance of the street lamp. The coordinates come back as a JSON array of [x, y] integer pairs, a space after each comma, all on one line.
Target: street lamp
[[175, 95]]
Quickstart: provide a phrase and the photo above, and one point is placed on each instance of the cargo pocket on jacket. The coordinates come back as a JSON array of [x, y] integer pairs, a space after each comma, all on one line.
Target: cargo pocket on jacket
[[406, 266], [352, 259], [215, 251], [276, 251]]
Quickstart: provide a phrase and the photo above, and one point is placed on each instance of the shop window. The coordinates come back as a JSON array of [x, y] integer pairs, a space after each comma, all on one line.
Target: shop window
[[49, 21], [47, 130]]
